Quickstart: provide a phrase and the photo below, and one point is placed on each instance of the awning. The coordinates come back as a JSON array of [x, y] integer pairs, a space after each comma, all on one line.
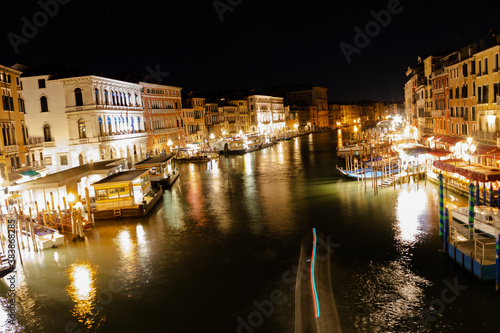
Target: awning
[[450, 140], [482, 149], [30, 173], [474, 172], [495, 153]]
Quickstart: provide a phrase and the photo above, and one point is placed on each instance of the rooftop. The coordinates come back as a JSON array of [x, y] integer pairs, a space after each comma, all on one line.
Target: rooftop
[[123, 176]]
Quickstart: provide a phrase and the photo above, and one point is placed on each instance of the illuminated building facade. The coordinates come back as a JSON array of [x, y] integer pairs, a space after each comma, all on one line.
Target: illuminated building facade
[[163, 113], [270, 113], [14, 157], [78, 118]]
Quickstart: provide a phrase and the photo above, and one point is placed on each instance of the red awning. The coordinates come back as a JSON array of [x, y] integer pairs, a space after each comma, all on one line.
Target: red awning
[[451, 140], [482, 149], [494, 154], [474, 172]]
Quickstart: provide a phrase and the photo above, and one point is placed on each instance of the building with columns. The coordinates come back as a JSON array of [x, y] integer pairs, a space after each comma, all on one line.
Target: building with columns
[[80, 118]]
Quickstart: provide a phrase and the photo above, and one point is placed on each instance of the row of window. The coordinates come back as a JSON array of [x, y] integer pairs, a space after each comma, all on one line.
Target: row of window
[[463, 112], [162, 92]]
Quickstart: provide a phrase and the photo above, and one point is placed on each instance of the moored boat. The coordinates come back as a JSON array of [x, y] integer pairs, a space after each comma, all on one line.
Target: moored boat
[[486, 219]]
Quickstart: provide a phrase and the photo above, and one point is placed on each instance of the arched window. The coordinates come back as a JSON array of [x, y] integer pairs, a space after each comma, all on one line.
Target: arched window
[[47, 136], [96, 93], [81, 129], [80, 159], [110, 129], [106, 97], [101, 129], [132, 124], [43, 104], [139, 123], [78, 97], [24, 134], [113, 97]]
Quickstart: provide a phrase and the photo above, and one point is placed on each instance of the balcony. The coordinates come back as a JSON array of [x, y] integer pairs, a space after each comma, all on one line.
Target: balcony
[[79, 141], [163, 111], [90, 107], [437, 113], [35, 142], [166, 130], [11, 150], [495, 70], [49, 144], [483, 135], [114, 137]]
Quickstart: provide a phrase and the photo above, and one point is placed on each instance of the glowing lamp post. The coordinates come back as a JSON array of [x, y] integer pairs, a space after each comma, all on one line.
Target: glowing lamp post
[[169, 144]]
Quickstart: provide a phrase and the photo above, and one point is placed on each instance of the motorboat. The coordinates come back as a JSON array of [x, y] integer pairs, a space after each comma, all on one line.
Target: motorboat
[[486, 218]]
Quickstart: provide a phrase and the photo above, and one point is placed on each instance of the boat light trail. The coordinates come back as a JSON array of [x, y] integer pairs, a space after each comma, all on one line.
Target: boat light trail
[[313, 283]]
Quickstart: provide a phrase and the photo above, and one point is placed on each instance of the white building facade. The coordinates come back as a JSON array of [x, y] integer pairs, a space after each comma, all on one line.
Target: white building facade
[[78, 120], [270, 114]]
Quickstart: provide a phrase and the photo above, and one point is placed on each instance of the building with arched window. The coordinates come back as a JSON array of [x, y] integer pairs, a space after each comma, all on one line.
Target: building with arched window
[[162, 108], [13, 157], [90, 117]]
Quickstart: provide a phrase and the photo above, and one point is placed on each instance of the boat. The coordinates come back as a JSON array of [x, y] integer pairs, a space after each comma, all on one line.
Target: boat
[[354, 150], [367, 172], [235, 147], [7, 266], [46, 237], [162, 170], [486, 218], [125, 194]]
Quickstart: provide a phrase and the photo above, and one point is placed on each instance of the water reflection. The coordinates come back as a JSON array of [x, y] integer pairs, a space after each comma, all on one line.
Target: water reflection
[[409, 208], [82, 291]]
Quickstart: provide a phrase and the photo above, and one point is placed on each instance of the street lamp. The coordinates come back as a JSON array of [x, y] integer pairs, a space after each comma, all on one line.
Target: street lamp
[[169, 144]]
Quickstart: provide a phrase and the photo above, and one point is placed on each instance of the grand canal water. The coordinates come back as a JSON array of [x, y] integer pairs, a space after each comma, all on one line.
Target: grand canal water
[[228, 234]]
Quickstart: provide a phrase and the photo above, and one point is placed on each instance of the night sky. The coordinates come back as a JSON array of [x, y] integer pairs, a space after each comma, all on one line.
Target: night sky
[[258, 44]]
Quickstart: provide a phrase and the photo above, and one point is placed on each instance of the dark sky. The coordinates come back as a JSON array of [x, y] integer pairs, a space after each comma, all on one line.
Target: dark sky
[[259, 43]]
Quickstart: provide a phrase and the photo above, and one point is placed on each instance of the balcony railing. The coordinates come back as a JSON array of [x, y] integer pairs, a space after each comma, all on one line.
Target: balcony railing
[[35, 142], [12, 149], [166, 130], [106, 138], [437, 113], [483, 135], [163, 111]]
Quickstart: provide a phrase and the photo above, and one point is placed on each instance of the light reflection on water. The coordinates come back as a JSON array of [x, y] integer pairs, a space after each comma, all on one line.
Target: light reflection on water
[[410, 206], [83, 292]]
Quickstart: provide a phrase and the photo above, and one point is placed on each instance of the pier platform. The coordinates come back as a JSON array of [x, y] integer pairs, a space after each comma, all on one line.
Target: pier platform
[[477, 255]]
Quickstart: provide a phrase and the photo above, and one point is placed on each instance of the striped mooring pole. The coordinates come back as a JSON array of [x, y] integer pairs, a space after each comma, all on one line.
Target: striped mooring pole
[[440, 178], [484, 194], [446, 230], [498, 198], [491, 194], [477, 193], [471, 210], [497, 287]]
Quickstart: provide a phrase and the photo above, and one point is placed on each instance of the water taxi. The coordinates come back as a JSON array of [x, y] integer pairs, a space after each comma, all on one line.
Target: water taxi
[[125, 194]]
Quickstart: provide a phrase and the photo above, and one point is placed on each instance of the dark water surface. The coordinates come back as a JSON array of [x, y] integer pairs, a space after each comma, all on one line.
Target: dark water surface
[[228, 235]]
